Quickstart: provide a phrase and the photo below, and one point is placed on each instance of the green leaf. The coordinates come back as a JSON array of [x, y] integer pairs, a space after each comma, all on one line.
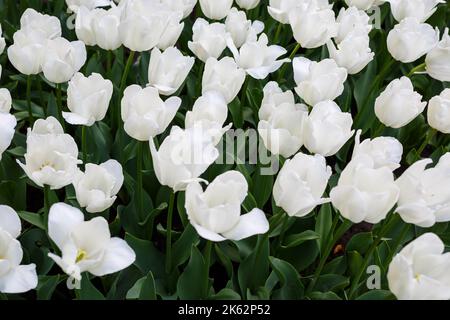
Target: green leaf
[[331, 282], [324, 296], [360, 242], [236, 111], [33, 218], [295, 240], [226, 294], [148, 258], [262, 188], [148, 290], [180, 249], [87, 290], [323, 224], [377, 295], [291, 286], [191, 282], [46, 286]]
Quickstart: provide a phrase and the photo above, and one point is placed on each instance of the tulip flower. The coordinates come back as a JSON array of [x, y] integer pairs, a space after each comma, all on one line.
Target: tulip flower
[[420, 9], [216, 9], [439, 112], [183, 156], [365, 192], [2, 41], [363, 4], [172, 32], [75, 5], [185, 6], [145, 114], [281, 121], [352, 21], [420, 270], [168, 70], [242, 30], [208, 40], [437, 59], [7, 129], [5, 100], [327, 129], [410, 40], [280, 9], [28, 51], [86, 246], [247, 4], [216, 212], [223, 76], [257, 58], [301, 183], [318, 81], [425, 193], [48, 27], [14, 277], [398, 104]]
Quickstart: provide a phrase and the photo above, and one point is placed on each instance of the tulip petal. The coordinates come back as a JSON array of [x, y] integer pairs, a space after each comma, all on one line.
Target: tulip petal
[[206, 234], [254, 222], [19, 279], [10, 221], [62, 219]]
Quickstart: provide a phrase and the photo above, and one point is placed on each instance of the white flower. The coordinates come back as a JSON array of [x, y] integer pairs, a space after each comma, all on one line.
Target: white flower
[[420, 9], [86, 246], [398, 104], [208, 40], [223, 76], [46, 26], [74, 5], [185, 6], [439, 112], [240, 29], [145, 114], [2, 41], [5, 100], [172, 32], [327, 129], [352, 21], [363, 4], [365, 192], [168, 70], [216, 9], [183, 156], [410, 40], [28, 51], [425, 193], [96, 188], [257, 58], [281, 121], [280, 9], [14, 277], [7, 129], [216, 212], [248, 4], [318, 81], [436, 61], [420, 270], [301, 183], [88, 99]]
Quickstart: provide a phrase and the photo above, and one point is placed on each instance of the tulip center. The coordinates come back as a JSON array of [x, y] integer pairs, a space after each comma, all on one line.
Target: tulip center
[[46, 164], [417, 276], [81, 254]]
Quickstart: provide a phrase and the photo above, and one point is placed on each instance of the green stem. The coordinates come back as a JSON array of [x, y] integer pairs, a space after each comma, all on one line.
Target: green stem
[[139, 184], [46, 204], [277, 33], [379, 130], [397, 243], [108, 62], [169, 234], [207, 263], [244, 91], [59, 103], [30, 111], [420, 67], [294, 52], [430, 134], [291, 56], [123, 83], [41, 97], [284, 228], [84, 144]]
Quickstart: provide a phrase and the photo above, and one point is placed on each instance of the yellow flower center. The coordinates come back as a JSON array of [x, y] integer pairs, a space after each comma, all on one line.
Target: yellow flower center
[[80, 255]]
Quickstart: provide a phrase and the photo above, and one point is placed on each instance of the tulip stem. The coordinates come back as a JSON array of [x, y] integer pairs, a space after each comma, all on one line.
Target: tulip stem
[[59, 103], [123, 83], [46, 204], [284, 228], [291, 56], [139, 184], [84, 144], [108, 62], [169, 234], [41, 97], [277, 33], [430, 134], [207, 263], [420, 67], [30, 111]]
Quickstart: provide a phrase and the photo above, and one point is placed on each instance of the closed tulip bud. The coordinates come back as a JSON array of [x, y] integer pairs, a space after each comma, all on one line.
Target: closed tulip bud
[[312, 26], [420, 9], [96, 188], [223, 76], [353, 53], [208, 40], [410, 40], [168, 70], [84, 25], [210, 112], [280, 9], [436, 61], [365, 192], [86, 246], [63, 59], [74, 5], [216, 212], [439, 112], [5, 100], [258, 58], [145, 114], [281, 121], [14, 277], [419, 270], [425, 193], [352, 21], [2, 41], [7, 129], [46, 26], [185, 6], [241, 29], [301, 183], [172, 32], [183, 156], [398, 104], [363, 4], [216, 9], [327, 129], [248, 4], [88, 99], [318, 81], [27, 52]]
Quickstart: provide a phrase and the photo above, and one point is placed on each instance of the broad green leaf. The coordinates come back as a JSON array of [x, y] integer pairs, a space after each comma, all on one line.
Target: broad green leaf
[[191, 284]]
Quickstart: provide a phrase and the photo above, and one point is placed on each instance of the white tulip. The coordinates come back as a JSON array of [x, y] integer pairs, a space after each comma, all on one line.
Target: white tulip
[[168, 70], [409, 40], [74, 5], [363, 4], [420, 270], [2, 41], [327, 129], [183, 156], [86, 246], [384, 151], [5, 100], [439, 112], [210, 112], [48, 27], [88, 99], [223, 76], [365, 192], [420, 9], [248, 4], [14, 277], [208, 40], [172, 31], [425, 193], [185, 6], [280, 9], [281, 121], [436, 61], [63, 59], [398, 104], [145, 114], [240, 29], [353, 53], [258, 58], [216, 212], [96, 188], [216, 9], [352, 21], [318, 81], [7, 129], [301, 183], [28, 51]]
